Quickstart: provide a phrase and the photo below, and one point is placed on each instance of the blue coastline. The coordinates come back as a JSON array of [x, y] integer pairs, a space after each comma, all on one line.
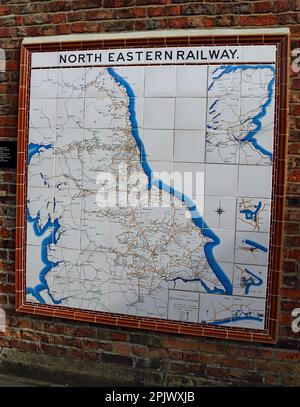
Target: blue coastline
[[36, 148], [255, 245], [51, 227], [236, 319], [253, 280], [195, 215], [256, 120], [51, 238]]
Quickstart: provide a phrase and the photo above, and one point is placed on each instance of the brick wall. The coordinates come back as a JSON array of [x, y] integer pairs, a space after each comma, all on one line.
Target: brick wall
[[181, 360]]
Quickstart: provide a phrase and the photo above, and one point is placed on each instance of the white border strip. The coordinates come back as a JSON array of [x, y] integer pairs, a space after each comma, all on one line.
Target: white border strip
[[155, 34]]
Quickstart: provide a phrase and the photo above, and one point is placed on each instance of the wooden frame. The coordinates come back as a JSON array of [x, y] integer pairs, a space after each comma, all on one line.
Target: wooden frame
[[281, 40]]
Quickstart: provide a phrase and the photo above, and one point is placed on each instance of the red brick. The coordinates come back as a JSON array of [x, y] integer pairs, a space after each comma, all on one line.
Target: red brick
[[263, 6], [258, 20]]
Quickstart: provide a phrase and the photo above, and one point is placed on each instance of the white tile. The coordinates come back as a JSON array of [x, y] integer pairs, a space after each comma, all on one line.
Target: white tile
[[69, 234], [209, 279], [159, 113], [160, 81], [223, 114], [42, 136], [43, 83], [222, 84], [42, 113], [40, 203], [94, 235], [41, 172], [250, 154], [219, 213], [34, 265], [256, 80], [189, 145], [69, 143], [248, 313], [190, 113], [44, 59], [183, 305], [252, 115], [259, 53], [70, 113], [250, 280], [135, 76], [191, 182], [215, 309], [223, 251], [99, 84], [99, 113], [191, 81], [222, 147], [252, 248], [68, 172], [71, 83], [253, 214], [158, 144], [221, 180], [67, 203], [255, 181]]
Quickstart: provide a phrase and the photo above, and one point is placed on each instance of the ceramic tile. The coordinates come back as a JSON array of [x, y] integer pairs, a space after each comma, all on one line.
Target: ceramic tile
[[70, 113], [223, 84], [43, 83], [71, 83], [160, 81], [183, 305], [223, 115], [68, 172], [69, 143], [135, 76], [159, 113], [190, 113], [191, 181], [158, 144], [223, 251], [94, 235], [222, 146], [250, 280], [258, 151], [44, 59], [252, 248], [219, 213], [42, 113], [253, 214], [191, 81], [100, 85], [189, 145], [221, 180], [254, 181]]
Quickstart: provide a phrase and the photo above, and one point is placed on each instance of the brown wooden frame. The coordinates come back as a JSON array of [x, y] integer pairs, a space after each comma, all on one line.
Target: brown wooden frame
[[268, 335]]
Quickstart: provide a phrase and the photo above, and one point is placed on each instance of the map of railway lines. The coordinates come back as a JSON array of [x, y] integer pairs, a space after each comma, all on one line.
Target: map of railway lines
[[149, 190]]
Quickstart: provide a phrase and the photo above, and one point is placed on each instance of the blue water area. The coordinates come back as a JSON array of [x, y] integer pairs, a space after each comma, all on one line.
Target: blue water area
[[250, 214], [237, 319], [51, 230], [252, 280], [36, 148], [255, 245], [256, 120], [195, 215]]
